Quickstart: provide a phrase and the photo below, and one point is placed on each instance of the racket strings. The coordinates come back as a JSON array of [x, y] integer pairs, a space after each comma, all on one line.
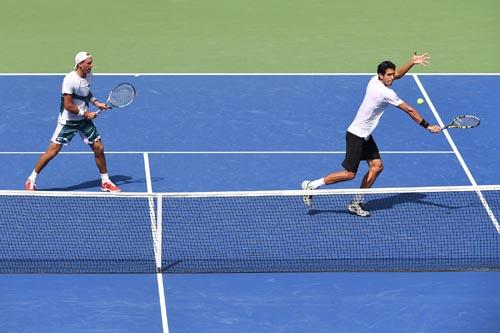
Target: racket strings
[[467, 121], [122, 95]]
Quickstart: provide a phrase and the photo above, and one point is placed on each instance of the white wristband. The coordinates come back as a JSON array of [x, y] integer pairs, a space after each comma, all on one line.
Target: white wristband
[[93, 100], [81, 113]]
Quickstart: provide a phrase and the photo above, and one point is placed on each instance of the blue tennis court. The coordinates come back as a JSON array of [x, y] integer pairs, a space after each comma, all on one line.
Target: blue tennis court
[[206, 133]]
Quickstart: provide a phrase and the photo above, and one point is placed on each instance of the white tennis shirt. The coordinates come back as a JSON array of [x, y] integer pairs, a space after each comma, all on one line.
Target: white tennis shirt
[[376, 100], [73, 84]]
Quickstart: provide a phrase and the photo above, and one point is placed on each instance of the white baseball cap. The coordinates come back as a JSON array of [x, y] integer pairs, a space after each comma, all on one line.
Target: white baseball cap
[[81, 56]]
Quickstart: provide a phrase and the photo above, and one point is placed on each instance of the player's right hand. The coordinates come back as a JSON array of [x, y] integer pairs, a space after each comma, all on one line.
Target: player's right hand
[[89, 115], [434, 129]]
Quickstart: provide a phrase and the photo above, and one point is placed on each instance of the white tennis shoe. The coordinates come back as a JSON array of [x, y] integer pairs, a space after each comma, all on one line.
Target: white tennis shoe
[[308, 199], [356, 208]]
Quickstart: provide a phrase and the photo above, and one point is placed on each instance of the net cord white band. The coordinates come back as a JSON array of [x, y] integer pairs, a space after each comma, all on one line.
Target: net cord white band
[[425, 189]]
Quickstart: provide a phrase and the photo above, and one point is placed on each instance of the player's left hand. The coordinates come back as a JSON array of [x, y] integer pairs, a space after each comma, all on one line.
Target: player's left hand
[[101, 106], [422, 59]]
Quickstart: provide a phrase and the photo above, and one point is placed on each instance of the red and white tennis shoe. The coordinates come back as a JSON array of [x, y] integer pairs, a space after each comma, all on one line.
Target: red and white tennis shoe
[[29, 186], [110, 187]]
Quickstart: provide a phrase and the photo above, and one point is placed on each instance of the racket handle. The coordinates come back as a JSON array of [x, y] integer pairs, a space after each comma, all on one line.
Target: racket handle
[[101, 110]]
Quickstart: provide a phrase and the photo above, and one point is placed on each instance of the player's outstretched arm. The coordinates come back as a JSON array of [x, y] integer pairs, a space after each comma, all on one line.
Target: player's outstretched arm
[[418, 118], [423, 59]]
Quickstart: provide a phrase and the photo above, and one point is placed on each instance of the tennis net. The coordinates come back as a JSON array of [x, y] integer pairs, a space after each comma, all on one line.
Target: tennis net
[[410, 229]]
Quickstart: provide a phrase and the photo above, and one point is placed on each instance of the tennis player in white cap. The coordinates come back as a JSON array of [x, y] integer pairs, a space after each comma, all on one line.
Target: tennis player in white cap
[[75, 117]]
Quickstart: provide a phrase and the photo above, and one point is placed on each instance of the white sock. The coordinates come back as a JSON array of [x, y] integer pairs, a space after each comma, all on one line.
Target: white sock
[[104, 178], [317, 183], [32, 177]]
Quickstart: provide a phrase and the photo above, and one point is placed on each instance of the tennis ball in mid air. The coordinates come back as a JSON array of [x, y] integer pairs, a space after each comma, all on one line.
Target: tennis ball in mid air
[[420, 101]]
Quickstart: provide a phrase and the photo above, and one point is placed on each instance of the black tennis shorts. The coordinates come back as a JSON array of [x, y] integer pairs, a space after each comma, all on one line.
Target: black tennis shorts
[[358, 149]]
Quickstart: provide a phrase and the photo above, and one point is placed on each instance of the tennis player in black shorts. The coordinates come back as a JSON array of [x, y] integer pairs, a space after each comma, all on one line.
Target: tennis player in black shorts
[[360, 144]]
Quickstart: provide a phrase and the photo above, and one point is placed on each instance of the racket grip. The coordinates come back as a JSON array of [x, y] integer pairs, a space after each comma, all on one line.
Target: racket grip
[[101, 110]]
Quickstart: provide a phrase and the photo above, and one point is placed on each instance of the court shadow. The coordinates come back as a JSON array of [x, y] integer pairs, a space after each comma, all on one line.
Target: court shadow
[[92, 184], [389, 202], [404, 198], [330, 211]]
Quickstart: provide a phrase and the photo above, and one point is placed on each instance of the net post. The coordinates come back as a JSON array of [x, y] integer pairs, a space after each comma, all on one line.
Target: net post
[[159, 222]]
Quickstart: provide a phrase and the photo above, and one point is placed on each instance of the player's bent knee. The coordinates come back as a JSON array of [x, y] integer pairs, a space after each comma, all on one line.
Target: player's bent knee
[[377, 169], [53, 150], [350, 175], [97, 147]]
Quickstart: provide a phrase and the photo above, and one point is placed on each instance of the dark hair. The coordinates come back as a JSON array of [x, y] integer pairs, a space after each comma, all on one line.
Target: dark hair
[[383, 66]]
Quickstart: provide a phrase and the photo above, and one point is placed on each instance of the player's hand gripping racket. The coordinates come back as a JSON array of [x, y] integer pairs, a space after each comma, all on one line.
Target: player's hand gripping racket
[[120, 96], [463, 122]]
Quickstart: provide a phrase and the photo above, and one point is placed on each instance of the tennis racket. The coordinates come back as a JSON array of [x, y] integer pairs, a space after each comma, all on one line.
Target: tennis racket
[[465, 121], [120, 96]]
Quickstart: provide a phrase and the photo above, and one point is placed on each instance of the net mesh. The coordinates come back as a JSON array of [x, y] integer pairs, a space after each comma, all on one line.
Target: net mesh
[[424, 229], [76, 234]]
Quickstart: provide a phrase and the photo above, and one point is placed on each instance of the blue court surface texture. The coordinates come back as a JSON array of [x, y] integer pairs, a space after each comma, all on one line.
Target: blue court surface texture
[[188, 133]]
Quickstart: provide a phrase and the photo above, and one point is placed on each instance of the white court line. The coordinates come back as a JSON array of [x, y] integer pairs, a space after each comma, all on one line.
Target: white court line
[[159, 275], [291, 152], [156, 221], [147, 171], [457, 153], [246, 74]]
